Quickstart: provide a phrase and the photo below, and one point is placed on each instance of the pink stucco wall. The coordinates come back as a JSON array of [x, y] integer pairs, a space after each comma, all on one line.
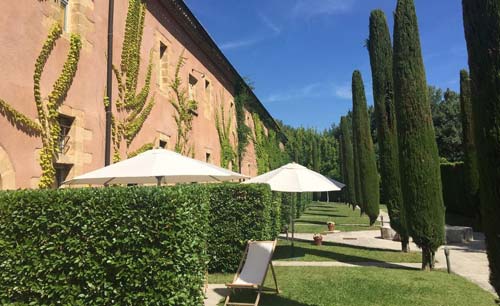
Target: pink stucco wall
[[24, 26]]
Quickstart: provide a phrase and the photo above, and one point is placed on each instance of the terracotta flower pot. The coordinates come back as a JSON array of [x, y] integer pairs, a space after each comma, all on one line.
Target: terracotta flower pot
[[318, 240], [331, 227]]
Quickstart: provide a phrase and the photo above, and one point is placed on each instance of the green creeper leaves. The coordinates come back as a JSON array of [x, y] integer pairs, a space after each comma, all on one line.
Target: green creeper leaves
[[132, 108], [47, 126]]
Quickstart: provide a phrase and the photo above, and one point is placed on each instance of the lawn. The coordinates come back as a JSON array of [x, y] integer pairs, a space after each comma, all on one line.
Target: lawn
[[308, 251], [314, 219], [320, 286]]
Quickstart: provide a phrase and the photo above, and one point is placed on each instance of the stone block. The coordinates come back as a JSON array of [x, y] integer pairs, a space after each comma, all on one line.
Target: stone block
[[387, 232], [459, 234]]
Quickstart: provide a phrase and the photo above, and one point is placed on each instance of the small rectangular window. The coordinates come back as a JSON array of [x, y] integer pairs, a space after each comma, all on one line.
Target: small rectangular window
[[65, 123], [192, 87], [63, 4], [62, 171], [163, 144], [163, 67], [208, 157]]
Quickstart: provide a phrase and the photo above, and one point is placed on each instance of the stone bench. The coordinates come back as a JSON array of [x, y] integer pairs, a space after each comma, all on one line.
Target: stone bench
[[387, 232], [459, 234]]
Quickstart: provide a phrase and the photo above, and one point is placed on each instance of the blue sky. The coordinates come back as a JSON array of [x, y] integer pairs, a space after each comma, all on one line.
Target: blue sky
[[300, 54]]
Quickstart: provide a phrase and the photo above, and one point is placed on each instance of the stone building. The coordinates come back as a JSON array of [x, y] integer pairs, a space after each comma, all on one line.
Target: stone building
[[170, 29]]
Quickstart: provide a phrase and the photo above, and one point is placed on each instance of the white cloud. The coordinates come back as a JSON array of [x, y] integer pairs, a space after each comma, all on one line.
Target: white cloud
[[270, 24], [309, 8], [238, 44], [275, 31], [343, 92]]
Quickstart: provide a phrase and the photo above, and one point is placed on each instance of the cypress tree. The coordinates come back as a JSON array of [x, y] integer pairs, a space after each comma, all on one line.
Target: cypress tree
[[418, 152], [482, 33], [348, 159], [380, 49], [471, 175], [367, 165], [357, 179]]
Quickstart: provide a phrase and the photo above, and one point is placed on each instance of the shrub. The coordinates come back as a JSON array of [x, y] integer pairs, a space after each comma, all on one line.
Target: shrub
[[238, 213], [105, 246], [455, 190]]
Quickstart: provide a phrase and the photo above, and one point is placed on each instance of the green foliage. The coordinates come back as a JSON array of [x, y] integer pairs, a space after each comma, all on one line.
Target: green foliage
[[313, 149], [47, 109], [227, 154], [142, 149], [105, 246], [455, 190], [238, 213], [418, 153], [267, 147], [132, 108], [447, 125], [471, 172], [185, 110], [380, 48], [243, 131], [482, 33], [348, 159], [368, 175]]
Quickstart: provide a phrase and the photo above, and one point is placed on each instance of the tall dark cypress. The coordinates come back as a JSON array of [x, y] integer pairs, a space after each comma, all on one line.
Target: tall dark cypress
[[418, 152], [348, 159], [482, 33], [369, 181], [380, 49], [357, 177], [471, 172]]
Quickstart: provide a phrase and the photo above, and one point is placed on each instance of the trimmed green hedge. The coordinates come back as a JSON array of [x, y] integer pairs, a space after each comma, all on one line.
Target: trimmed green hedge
[[301, 200], [239, 213], [106, 246], [455, 190]]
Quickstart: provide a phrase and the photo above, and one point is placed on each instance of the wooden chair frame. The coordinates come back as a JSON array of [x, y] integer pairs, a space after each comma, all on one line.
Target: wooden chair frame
[[258, 287]]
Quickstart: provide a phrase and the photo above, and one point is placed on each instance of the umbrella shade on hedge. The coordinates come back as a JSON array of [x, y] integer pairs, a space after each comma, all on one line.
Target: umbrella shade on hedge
[[156, 167], [296, 178]]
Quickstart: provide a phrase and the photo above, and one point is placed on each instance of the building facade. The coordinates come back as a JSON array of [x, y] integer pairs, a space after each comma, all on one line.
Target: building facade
[[170, 32]]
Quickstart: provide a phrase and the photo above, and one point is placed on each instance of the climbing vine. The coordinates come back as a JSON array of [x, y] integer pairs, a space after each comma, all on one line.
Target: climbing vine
[[185, 110], [243, 131], [144, 148], [131, 108], [259, 140], [47, 126], [227, 153], [267, 147]]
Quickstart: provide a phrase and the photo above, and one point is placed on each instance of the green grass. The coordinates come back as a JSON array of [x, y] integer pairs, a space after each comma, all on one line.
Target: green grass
[[314, 219], [331, 251], [320, 286]]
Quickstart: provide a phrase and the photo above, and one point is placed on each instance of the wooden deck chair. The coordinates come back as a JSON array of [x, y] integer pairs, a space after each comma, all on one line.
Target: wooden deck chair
[[253, 269]]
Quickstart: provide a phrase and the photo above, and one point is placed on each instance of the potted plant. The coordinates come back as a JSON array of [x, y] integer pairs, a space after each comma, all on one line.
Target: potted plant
[[318, 239], [331, 226]]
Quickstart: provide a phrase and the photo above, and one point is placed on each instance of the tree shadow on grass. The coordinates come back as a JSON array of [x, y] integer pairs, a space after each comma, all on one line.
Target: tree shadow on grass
[[267, 299], [284, 252], [301, 221], [324, 215]]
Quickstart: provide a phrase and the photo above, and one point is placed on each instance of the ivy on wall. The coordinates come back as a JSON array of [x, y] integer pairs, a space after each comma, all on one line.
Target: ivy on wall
[[243, 131], [259, 141], [132, 107], [142, 149], [227, 153], [185, 110], [47, 127], [267, 147]]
